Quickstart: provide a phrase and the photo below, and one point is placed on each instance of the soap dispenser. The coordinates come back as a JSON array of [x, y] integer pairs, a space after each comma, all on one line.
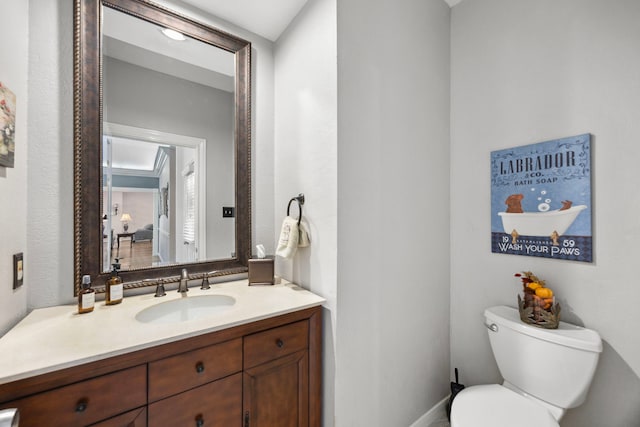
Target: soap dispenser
[[113, 287], [86, 296]]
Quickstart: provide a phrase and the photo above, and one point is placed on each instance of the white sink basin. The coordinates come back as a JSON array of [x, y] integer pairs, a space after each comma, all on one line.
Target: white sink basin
[[186, 308]]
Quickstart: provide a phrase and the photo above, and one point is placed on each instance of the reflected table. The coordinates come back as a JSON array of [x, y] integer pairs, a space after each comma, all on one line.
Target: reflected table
[[129, 235]]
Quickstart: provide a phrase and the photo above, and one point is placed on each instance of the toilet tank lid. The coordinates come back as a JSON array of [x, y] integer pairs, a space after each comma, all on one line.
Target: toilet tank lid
[[567, 334]]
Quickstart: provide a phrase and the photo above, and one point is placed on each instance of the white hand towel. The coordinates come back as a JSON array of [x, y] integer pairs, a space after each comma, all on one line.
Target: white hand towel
[[289, 235], [303, 239]]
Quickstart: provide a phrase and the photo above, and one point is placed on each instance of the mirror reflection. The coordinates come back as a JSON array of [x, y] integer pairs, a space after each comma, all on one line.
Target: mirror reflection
[[185, 106], [167, 146]]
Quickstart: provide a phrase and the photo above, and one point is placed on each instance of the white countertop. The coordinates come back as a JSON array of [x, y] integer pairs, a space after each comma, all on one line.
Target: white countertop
[[54, 338]]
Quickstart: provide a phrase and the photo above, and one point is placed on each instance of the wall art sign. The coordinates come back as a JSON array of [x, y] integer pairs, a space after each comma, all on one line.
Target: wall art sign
[[7, 126], [541, 199]]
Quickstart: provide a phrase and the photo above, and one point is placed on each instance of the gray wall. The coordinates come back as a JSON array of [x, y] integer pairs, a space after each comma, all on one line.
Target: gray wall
[[392, 346], [524, 72]]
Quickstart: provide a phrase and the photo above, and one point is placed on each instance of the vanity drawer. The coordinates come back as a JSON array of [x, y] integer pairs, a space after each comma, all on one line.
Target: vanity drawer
[[86, 402], [215, 404], [188, 370], [135, 418], [274, 343]]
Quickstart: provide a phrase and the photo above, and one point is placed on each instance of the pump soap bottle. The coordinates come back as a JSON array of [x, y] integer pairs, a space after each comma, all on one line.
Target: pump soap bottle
[[113, 287], [86, 296]]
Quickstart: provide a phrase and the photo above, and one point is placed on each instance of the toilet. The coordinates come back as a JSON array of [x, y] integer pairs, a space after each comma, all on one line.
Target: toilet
[[545, 371]]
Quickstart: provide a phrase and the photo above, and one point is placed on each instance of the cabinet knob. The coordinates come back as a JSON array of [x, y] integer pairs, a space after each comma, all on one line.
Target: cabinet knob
[[199, 421], [199, 367], [81, 406], [279, 343]]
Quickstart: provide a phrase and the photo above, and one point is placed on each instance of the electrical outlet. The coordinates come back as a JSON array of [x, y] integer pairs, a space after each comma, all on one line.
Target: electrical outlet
[[228, 212]]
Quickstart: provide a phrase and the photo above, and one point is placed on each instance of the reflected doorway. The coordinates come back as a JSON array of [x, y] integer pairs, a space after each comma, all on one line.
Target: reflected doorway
[[136, 246], [152, 188]]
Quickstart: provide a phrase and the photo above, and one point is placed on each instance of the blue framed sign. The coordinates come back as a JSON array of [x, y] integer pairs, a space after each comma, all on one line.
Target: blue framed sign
[[541, 200]]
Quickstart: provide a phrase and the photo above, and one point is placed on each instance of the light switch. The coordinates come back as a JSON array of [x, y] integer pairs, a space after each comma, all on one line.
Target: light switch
[[228, 212]]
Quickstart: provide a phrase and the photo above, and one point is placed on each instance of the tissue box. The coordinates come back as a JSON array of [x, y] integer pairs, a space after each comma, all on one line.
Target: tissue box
[[261, 271]]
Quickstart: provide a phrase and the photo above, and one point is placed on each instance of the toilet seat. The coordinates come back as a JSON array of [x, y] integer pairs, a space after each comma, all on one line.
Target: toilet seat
[[497, 406]]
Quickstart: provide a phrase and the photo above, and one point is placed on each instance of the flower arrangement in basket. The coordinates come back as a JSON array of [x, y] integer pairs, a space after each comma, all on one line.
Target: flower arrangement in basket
[[538, 307]]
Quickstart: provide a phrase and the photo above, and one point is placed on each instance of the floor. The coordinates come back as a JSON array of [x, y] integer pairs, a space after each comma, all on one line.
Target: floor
[[133, 255], [438, 416]]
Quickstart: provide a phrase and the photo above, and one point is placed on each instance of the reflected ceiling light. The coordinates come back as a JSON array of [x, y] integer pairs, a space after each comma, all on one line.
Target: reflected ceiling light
[[173, 34]]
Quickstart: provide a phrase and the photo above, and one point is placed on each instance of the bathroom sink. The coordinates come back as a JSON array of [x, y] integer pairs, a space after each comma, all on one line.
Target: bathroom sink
[[186, 308]]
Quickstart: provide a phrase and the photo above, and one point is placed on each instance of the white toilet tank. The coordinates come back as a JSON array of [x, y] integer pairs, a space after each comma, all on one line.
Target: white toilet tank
[[553, 365]]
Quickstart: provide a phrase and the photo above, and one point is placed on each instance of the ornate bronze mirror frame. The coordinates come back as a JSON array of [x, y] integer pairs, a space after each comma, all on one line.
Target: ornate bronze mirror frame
[[88, 123]]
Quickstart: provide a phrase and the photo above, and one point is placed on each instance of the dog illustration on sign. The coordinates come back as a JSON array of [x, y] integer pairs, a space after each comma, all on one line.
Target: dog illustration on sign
[[516, 222]]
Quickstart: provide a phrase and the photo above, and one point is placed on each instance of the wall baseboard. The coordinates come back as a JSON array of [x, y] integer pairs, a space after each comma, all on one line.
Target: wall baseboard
[[437, 413]]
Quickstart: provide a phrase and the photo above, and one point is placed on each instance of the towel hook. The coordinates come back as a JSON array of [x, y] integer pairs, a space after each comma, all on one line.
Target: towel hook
[[300, 200]]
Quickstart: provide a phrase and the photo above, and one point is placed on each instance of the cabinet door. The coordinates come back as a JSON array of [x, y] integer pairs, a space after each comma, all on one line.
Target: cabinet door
[[276, 393], [217, 404]]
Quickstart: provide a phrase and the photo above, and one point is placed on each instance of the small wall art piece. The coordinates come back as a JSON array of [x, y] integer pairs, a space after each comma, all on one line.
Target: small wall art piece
[[18, 270], [164, 194], [7, 126], [541, 199]]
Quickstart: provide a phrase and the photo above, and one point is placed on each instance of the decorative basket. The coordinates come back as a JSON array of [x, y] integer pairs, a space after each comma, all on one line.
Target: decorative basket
[[532, 312]]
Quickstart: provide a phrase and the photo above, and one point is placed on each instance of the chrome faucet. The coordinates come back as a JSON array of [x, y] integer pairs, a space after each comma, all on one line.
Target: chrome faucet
[[183, 288]]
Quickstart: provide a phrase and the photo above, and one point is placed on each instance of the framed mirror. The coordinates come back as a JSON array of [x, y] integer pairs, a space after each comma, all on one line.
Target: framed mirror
[[162, 161]]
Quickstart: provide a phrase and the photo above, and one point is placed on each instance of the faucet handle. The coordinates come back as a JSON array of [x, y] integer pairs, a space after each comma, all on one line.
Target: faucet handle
[[205, 282], [159, 287], [205, 279], [184, 275], [160, 290]]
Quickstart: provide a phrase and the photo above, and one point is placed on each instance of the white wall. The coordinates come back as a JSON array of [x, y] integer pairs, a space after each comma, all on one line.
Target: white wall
[[524, 72], [50, 197], [392, 346], [305, 158], [13, 181]]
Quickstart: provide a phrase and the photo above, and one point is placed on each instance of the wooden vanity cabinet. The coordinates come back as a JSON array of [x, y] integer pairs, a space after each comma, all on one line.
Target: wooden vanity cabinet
[[261, 374]]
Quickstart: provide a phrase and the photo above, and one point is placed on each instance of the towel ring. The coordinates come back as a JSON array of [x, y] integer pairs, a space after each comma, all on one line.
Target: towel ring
[[300, 200]]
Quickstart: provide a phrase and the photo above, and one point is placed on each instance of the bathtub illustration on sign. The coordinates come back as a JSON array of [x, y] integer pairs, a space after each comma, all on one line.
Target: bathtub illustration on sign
[[540, 223]]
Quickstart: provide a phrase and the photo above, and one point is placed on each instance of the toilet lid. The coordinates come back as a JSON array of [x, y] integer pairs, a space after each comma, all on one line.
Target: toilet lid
[[497, 406]]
